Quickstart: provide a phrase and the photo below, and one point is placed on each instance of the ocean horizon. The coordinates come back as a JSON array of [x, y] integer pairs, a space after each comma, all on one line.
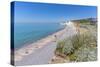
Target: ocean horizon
[[27, 33]]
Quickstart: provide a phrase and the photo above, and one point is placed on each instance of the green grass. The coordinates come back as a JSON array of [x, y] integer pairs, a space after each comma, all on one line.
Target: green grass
[[85, 21], [80, 47]]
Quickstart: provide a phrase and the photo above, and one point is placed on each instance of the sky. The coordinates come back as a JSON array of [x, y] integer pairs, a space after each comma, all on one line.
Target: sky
[[27, 12]]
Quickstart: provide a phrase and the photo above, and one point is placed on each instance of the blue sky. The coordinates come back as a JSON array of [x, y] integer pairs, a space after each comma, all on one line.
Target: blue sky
[[26, 12]]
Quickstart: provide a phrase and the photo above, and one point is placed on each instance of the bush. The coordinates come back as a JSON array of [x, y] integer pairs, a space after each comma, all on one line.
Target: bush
[[80, 47], [60, 46]]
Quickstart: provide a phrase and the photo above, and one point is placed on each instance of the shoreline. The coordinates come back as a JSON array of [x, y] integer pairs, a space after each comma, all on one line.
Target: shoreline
[[25, 45], [28, 49]]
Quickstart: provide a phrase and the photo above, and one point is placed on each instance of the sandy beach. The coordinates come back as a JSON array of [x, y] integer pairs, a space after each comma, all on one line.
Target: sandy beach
[[26, 50]]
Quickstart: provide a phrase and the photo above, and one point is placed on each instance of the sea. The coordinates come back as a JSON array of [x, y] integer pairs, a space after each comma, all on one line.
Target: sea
[[27, 33]]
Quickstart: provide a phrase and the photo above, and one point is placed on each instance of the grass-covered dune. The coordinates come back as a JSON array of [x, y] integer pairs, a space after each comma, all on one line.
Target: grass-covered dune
[[80, 47]]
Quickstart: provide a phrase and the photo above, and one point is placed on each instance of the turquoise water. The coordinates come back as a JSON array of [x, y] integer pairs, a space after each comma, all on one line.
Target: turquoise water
[[25, 33]]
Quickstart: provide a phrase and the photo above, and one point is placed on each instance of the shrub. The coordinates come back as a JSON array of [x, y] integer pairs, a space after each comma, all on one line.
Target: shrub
[[80, 47]]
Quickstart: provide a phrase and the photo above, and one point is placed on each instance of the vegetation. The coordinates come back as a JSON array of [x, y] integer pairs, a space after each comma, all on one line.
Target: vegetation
[[84, 21], [80, 47]]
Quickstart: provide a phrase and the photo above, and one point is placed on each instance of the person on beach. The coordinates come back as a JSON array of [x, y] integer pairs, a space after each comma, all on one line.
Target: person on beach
[[55, 37]]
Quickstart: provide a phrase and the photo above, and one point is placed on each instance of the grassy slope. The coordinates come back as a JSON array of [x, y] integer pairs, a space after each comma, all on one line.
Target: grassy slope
[[80, 47]]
